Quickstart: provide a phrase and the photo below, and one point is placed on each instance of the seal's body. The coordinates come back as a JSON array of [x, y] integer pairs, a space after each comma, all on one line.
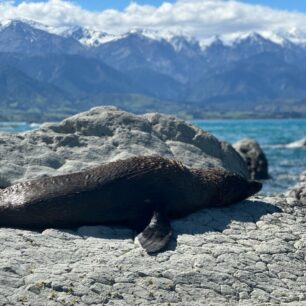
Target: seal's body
[[126, 192]]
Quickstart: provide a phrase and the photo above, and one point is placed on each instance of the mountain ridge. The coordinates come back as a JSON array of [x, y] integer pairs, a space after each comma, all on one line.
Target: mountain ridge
[[292, 35], [250, 73]]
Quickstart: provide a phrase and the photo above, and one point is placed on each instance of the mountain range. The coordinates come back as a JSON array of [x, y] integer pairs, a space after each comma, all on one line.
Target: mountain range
[[46, 73]]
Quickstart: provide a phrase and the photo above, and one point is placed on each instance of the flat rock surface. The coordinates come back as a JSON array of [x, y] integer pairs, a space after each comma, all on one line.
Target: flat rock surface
[[105, 134], [251, 253]]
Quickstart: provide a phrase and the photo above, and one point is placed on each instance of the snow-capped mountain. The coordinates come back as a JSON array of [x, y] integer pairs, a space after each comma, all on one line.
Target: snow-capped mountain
[[88, 37], [86, 64], [33, 24], [33, 38], [93, 37], [280, 38]]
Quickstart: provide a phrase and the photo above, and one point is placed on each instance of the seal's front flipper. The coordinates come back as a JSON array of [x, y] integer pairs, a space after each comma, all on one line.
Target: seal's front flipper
[[157, 234]]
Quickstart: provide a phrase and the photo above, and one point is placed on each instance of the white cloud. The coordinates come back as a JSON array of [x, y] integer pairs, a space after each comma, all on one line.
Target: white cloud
[[199, 18]]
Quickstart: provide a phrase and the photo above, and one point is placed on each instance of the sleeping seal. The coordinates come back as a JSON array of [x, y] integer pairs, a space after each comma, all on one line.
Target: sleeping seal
[[139, 192]]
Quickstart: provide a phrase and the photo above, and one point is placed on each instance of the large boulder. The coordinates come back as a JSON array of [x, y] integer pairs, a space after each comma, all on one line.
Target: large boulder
[[105, 134], [254, 157]]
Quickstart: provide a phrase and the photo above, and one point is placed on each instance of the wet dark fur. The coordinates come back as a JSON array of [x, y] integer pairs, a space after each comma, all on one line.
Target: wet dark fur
[[124, 192]]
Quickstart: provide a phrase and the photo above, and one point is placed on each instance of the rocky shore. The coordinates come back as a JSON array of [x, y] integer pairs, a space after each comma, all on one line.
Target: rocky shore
[[252, 253]]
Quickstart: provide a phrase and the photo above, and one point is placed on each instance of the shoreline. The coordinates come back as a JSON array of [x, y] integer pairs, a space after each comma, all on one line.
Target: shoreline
[[228, 115]]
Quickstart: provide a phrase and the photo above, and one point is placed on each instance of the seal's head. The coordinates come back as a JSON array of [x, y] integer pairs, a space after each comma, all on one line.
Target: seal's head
[[225, 187], [235, 188]]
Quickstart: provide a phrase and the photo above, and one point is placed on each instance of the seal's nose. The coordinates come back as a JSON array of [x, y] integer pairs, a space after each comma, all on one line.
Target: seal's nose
[[254, 187]]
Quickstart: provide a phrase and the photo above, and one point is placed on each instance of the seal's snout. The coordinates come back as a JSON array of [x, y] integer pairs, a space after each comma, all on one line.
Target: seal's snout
[[254, 187]]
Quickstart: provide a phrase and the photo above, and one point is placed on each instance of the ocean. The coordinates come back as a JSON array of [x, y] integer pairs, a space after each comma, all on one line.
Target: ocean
[[285, 164]]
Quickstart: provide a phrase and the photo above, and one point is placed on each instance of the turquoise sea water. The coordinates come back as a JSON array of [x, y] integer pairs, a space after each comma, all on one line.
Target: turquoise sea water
[[17, 126], [285, 165]]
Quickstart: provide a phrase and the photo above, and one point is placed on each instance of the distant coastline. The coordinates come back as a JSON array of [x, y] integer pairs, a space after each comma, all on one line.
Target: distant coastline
[[40, 117]]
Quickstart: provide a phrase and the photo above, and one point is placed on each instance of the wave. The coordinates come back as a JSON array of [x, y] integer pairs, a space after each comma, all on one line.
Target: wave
[[273, 146], [297, 144], [292, 145]]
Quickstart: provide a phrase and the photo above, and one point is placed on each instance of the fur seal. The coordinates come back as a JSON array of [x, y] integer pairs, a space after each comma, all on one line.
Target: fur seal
[[139, 192]]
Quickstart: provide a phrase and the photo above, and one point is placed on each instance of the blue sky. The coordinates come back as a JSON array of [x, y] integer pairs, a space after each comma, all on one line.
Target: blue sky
[[115, 4], [98, 5]]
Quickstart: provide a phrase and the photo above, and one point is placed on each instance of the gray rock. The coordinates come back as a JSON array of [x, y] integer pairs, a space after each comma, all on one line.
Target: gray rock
[[105, 134], [254, 157], [298, 192]]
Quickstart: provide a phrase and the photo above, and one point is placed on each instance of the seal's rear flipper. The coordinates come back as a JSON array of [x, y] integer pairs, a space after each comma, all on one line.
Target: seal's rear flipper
[[157, 234]]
